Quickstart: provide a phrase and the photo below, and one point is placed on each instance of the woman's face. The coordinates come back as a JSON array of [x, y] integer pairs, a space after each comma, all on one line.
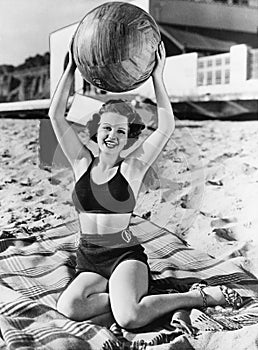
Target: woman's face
[[112, 133]]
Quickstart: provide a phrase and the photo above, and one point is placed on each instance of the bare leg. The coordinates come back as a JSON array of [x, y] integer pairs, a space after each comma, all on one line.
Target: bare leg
[[86, 298], [133, 308]]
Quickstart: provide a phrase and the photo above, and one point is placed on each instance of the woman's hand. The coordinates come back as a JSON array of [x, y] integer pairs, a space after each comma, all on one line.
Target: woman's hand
[[160, 62]]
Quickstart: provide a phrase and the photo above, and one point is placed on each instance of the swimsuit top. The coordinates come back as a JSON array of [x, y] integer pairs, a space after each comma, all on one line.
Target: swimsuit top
[[114, 196]]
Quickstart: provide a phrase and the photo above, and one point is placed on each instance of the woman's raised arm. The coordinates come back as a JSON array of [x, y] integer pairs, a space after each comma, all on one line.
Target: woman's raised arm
[[68, 139], [166, 122], [149, 150]]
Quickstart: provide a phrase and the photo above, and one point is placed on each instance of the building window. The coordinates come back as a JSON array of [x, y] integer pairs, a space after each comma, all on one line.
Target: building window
[[218, 77], [253, 64], [200, 79], [227, 76], [200, 64], [227, 60], [209, 63], [209, 78], [218, 61]]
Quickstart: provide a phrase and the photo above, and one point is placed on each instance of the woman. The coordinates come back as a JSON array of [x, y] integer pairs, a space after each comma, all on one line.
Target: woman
[[112, 272]]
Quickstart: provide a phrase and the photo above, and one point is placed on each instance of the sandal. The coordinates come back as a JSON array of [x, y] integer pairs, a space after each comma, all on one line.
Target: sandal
[[200, 286], [232, 298]]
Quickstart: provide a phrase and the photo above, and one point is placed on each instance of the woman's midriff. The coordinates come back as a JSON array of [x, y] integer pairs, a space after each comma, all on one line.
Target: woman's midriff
[[92, 223]]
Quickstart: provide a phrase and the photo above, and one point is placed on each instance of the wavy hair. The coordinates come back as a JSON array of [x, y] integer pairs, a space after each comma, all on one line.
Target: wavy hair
[[124, 108]]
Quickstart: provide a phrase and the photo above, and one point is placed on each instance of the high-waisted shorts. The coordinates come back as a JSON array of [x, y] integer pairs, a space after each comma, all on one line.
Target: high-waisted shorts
[[103, 253]]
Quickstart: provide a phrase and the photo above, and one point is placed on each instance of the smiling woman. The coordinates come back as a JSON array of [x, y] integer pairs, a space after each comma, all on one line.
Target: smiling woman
[[112, 274], [120, 108]]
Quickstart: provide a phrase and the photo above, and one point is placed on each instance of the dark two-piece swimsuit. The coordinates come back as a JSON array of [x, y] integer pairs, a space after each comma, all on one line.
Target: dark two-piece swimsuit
[[103, 253]]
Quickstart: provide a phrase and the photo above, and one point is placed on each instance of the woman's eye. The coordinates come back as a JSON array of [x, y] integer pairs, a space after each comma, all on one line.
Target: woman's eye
[[121, 132], [107, 128]]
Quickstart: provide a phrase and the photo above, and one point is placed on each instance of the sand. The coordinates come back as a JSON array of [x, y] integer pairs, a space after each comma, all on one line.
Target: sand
[[204, 186]]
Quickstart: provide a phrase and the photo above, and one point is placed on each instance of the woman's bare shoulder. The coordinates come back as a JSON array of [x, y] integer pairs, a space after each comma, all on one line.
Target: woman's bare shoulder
[[81, 164], [132, 166], [133, 170]]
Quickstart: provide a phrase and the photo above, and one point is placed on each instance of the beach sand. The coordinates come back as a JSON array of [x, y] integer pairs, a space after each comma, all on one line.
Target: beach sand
[[203, 187]]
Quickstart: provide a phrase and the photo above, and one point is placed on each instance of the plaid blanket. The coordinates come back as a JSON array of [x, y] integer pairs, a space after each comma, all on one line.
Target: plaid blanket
[[35, 270]]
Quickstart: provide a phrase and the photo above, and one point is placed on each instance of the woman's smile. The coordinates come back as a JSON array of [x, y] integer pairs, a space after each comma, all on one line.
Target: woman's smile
[[111, 143]]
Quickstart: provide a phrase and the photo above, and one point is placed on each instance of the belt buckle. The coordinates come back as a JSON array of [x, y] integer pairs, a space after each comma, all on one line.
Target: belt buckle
[[126, 235]]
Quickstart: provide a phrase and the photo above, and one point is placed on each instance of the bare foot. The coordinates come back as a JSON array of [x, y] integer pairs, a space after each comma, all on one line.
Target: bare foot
[[214, 296]]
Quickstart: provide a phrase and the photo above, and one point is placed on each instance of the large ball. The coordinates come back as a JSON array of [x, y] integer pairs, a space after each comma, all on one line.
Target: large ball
[[114, 46]]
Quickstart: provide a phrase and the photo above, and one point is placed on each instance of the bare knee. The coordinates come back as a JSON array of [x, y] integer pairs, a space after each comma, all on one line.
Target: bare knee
[[84, 297], [129, 317], [70, 308]]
